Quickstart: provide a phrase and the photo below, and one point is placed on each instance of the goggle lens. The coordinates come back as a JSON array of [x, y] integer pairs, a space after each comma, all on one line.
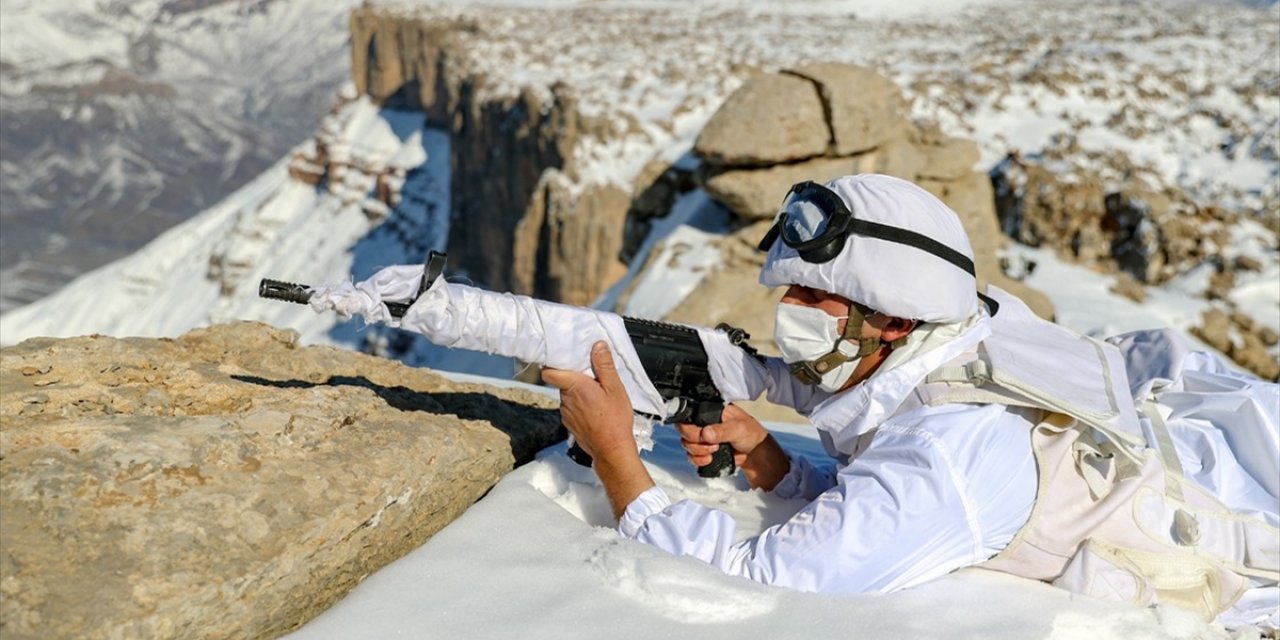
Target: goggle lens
[[815, 222], [802, 220]]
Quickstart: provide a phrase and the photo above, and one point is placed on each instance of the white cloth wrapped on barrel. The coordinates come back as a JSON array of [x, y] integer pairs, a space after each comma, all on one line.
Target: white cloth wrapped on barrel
[[462, 317]]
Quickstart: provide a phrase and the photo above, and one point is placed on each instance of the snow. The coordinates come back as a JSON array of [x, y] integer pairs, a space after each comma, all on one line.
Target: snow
[[686, 241], [567, 574], [1257, 294]]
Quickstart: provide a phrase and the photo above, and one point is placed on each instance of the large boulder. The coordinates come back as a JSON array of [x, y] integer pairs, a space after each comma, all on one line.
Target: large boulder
[[870, 133], [864, 108], [754, 194], [771, 119], [229, 483]]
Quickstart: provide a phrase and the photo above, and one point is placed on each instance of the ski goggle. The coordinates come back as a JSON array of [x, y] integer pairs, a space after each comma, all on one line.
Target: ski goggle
[[815, 222]]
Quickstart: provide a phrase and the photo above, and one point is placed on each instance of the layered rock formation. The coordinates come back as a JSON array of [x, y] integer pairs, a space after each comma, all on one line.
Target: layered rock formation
[[859, 125], [228, 483], [523, 222]]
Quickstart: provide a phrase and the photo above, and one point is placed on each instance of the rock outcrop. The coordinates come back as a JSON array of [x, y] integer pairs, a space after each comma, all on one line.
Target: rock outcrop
[[228, 483], [518, 224], [773, 119], [524, 218], [1142, 232], [1150, 233], [867, 130], [1242, 339]]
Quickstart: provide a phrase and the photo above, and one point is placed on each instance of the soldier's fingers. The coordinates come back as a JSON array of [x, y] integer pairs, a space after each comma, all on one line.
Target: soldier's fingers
[[699, 460], [605, 369], [694, 448], [562, 379], [690, 432]]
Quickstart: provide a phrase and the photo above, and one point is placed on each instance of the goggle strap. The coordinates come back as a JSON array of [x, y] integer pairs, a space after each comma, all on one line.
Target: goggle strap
[[913, 239], [890, 234], [769, 238], [993, 307]]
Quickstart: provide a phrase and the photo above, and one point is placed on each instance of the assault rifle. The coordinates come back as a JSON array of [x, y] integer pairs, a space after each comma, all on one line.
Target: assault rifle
[[672, 356]]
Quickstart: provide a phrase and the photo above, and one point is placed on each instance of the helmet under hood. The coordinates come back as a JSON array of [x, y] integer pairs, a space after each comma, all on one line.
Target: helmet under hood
[[895, 278]]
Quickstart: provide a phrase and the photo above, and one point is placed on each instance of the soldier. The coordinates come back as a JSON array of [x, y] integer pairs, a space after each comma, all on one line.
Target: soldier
[[963, 430]]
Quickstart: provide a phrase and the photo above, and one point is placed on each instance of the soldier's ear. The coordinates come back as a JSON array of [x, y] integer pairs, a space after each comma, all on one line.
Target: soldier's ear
[[897, 329]]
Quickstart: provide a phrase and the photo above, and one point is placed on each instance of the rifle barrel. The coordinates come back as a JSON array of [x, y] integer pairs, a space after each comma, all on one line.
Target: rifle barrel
[[301, 294]]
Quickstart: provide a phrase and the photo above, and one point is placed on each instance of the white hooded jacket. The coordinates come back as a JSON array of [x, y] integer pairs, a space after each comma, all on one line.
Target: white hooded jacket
[[919, 491], [908, 500], [924, 485]]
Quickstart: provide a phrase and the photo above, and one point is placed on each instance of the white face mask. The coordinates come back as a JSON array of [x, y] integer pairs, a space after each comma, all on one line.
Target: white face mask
[[808, 333]]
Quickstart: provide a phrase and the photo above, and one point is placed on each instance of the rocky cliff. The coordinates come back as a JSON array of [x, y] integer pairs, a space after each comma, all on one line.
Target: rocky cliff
[[229, 483], [521, 223], [574, 131]]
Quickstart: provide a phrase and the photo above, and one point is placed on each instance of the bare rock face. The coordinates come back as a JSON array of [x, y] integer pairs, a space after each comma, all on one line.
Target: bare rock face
[[946, 158], [514, 229], [569, 244], [972, 198], [227, 483], [754, 194], [864, 108], [1151, 234], [1144, 235], [1242, 339], [769, 120]]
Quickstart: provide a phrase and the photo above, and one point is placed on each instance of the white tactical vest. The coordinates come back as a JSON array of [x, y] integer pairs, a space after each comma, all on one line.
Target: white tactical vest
[[1114, 517]]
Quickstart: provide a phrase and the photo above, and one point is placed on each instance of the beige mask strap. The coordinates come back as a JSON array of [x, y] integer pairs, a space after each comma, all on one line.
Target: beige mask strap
[[811, 371]]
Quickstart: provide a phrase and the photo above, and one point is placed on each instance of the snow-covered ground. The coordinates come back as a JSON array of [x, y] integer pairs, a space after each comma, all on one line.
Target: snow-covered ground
[[272, 227], [538, 558]]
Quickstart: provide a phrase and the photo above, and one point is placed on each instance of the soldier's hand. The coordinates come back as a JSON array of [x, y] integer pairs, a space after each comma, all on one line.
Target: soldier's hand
[[597, 412], [736, 427]]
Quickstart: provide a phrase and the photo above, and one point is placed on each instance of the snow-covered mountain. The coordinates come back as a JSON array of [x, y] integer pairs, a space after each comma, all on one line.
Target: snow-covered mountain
[[120, 119], [206, 270]]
